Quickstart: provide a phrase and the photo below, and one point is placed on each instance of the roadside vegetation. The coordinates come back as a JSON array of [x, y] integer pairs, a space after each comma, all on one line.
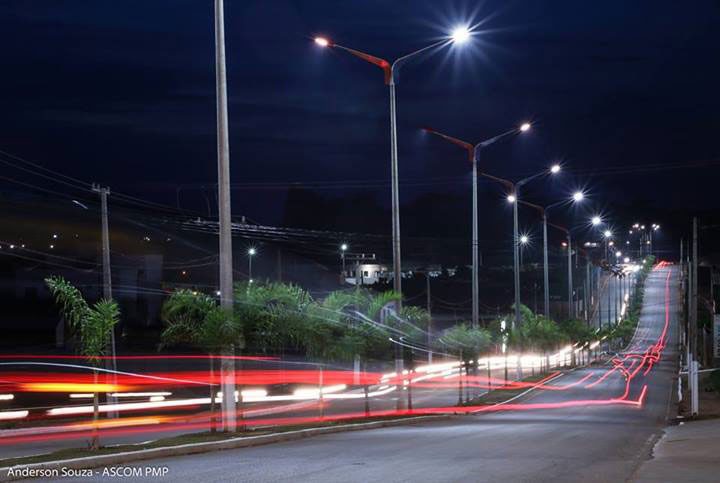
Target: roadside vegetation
[[356, 325]]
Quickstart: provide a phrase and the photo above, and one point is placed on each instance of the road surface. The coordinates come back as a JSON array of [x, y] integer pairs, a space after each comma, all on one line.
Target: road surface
[[588, 438]]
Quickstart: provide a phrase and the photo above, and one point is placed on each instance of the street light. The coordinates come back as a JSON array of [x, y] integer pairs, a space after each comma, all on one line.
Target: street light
[[459, 35], [225, 268], [596, 220], [473, 152], [343, 249], [524, 240], [513, 197], [322, 41], [251, 253], [576, 198]]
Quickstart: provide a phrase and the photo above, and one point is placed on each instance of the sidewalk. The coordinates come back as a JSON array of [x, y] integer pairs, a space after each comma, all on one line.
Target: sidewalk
[[688, 453]]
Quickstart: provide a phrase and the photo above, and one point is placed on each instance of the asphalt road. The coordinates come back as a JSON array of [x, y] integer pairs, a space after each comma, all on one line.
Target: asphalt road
[[586, 441]]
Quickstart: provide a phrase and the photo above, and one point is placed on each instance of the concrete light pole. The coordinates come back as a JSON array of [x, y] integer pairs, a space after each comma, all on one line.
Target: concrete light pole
[[473, 152], [576, 197], [251, 253], [225, 222], [111, 363], [513, 196], [458, 36]]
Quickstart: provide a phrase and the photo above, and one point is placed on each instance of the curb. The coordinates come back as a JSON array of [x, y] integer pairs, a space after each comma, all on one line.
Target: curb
[[86, 462]]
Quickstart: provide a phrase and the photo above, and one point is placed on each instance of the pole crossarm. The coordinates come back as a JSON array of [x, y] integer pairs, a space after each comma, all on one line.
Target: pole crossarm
[[561, 228], [533, 205], [386, 66], [507, 183], [497, 138], [470, 148], [382, 63]]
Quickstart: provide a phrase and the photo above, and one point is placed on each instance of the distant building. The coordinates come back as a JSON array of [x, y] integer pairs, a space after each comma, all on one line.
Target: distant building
[[366, 273]]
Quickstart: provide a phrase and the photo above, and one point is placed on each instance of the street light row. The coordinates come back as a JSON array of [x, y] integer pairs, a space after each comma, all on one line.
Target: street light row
[[459, 36]]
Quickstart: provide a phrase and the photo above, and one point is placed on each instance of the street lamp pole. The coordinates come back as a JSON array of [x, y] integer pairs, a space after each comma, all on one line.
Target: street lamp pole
[[474, 151], [389, 70], [577, 197], [343, 249], [516, 257], [251, 253], [225, 222], [546, 270], [513, 198], [571, 308]]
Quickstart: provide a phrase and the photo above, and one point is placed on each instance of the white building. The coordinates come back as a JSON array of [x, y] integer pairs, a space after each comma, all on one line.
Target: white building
[[368, 273]]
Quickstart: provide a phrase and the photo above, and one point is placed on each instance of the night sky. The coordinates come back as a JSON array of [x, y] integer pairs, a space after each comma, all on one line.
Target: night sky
[[123, 93]]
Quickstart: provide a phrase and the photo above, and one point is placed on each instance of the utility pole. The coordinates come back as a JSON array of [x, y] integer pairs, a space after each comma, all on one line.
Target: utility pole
[[110, 364], [571, 312], [693, 323], [429, 311], [516, 260], [225, 221]]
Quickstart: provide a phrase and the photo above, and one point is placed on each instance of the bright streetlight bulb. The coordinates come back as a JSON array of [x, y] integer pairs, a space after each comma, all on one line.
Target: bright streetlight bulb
[[607, 233], [525, 127], [511, 198], [524, 239], [322, 41], [460, 35], [596, 220], [251, 251], [578, 196], [618, 254], [343, 247], [555, 168], [626, 259]]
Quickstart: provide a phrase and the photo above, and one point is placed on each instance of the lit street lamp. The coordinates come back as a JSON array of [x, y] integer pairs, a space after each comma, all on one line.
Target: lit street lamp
[[524, 240], [458, 36], [251, 253], [343, 249], [473, 152], [513, 197], [576, 198]]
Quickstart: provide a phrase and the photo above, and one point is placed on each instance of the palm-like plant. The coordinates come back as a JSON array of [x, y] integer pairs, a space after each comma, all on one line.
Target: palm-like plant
[[465, 342], [195, 318], [92, 325], [272, 314]]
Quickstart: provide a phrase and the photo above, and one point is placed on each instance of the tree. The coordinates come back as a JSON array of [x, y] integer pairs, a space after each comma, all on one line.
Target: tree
[[465, 342], [195, 318], [535, 332], [272, 314], [92, 325]]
